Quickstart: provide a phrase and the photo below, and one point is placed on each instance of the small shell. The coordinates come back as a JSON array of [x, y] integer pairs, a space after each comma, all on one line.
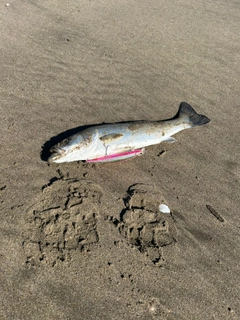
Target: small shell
[[164, 208]]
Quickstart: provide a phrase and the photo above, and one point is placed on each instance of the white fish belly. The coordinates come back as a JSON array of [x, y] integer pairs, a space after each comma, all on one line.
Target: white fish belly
[[131, 141]]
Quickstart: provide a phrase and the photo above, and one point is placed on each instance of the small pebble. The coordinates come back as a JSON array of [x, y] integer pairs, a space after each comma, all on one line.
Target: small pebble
[[164, 208]]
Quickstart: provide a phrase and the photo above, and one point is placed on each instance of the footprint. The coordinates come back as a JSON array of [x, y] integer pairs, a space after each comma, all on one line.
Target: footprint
[[63, 219], [143, 225]]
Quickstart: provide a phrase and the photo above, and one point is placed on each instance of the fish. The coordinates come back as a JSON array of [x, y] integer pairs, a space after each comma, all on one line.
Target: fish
[[123, 140]]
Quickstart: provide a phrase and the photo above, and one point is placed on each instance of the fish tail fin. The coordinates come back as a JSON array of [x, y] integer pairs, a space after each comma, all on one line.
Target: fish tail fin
[[195, 119]]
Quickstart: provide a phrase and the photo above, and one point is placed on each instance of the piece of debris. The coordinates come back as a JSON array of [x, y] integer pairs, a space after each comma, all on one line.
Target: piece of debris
[[214, 212]]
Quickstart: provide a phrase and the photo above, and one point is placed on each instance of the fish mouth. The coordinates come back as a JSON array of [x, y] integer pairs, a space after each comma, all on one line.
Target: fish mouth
[[56, 154]]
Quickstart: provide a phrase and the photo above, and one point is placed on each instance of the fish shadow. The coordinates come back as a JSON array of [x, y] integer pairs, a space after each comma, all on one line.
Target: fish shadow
[[46, 147]]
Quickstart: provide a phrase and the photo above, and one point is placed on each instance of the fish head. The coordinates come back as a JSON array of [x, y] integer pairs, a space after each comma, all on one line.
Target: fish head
[[75, 148], [59, 154]]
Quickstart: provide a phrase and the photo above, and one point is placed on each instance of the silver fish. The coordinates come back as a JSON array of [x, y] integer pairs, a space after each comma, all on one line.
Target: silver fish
[[118, 141]]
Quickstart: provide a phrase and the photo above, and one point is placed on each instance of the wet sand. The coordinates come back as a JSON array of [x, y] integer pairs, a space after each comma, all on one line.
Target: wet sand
[[86, 241]]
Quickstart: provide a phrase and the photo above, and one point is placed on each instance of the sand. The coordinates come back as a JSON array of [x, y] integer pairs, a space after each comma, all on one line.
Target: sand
[[86, 241]]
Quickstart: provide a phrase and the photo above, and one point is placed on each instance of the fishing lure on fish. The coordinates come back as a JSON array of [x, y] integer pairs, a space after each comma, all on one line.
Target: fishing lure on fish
[[119, 141]]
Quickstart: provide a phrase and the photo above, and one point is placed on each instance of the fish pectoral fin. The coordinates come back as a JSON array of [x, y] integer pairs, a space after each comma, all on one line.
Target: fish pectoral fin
[[170, 139], [111, 137]]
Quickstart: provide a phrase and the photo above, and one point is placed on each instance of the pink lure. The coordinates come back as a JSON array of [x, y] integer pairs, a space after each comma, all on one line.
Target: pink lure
[[119, 156]]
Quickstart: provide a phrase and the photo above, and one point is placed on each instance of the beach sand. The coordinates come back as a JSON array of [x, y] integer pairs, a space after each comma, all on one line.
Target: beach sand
[[86, 241]]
